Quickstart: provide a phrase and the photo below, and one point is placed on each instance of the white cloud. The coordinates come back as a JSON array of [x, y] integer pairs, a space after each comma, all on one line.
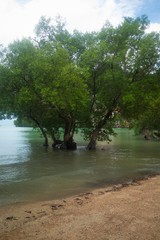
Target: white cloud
[[154, 27], [18, 18]]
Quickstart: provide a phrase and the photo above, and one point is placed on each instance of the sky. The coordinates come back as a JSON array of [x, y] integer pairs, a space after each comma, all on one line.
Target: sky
[[19, 17]]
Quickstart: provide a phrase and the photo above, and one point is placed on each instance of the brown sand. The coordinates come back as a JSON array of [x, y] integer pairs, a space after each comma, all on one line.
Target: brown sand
[[112, 213]]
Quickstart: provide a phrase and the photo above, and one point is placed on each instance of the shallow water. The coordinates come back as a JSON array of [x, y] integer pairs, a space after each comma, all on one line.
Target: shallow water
[[30, 172]]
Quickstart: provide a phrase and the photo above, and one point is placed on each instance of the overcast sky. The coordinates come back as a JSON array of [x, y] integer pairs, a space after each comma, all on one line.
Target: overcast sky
[[19, 17]]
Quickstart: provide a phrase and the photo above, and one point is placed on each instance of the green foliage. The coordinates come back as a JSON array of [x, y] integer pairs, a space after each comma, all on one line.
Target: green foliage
[[23, 123], [119, 58], [61, 81]]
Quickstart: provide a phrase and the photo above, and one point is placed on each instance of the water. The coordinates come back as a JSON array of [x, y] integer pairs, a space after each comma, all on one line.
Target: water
[[30, 172]]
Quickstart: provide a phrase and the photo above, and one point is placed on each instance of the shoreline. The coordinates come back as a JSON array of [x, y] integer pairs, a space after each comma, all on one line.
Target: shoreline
[[108, 210], [120, 183]]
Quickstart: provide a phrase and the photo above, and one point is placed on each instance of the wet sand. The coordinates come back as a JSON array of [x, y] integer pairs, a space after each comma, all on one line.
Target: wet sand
[[119, 212]]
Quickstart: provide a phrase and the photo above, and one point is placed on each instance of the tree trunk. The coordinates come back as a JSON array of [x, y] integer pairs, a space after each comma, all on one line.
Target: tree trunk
[[102, 122], [68, 135], [46, 144], [93, 140]]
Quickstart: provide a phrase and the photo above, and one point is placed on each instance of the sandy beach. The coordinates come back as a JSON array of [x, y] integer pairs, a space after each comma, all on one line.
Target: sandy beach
[[119, 212]]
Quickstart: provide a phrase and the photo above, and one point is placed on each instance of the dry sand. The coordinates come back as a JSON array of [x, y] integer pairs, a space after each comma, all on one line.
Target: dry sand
[[112, 213]]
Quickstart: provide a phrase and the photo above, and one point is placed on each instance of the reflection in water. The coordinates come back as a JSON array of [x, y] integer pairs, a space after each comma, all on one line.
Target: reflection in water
[[30, 172]]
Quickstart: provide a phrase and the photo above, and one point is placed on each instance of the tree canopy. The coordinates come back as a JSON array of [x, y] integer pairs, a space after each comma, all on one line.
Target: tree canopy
[[63, 81]]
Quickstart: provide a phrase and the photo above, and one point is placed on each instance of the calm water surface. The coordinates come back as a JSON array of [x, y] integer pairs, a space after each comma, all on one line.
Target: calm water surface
[[30, 172]]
